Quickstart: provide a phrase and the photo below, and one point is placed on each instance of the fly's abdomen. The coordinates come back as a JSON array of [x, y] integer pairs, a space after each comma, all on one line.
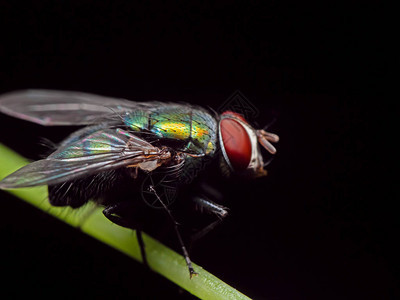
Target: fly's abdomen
[[195, 127]]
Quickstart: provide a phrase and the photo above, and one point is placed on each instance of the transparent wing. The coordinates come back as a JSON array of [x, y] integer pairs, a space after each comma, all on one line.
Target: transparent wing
[[49, 108], [99, 151]]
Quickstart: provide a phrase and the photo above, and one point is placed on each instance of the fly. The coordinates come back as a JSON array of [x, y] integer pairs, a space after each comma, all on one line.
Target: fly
[[123, 140]]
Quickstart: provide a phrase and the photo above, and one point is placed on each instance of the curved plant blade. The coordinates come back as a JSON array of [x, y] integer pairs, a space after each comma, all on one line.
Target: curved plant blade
[[161, 259]]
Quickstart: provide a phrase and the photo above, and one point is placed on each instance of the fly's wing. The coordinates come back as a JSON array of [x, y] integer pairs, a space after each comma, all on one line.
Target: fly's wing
[[99, 151], [50, 108]]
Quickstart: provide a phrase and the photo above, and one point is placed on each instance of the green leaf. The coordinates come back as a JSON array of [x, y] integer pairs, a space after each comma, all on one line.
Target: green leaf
[[161, 259]]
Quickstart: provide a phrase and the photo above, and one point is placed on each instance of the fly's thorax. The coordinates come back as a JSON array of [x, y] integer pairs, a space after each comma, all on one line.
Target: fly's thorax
[[204, 131], [195, 127], [171, 125]]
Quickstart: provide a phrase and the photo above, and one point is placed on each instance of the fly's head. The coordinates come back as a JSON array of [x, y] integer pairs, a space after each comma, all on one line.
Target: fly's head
[[239, 143]]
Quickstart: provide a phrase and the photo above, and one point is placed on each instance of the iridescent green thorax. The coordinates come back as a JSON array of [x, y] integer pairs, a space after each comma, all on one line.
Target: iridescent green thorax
[[195, 126]]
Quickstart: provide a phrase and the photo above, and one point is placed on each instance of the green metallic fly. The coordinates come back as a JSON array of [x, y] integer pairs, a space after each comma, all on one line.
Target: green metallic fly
[[124, 141]]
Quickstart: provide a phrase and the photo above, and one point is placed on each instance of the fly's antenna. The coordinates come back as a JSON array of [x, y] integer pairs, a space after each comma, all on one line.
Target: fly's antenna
[[265, 138]]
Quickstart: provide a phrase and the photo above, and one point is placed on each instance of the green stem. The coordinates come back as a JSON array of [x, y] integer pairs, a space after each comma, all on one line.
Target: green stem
[[161, 259]]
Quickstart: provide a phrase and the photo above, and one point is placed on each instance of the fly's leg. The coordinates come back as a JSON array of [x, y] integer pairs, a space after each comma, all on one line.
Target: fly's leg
[[184, 251], [205, 204], [114, 214], [209, 206], [142, 247]]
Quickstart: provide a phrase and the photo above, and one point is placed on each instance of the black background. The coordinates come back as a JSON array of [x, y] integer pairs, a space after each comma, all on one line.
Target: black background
[[323, 224]]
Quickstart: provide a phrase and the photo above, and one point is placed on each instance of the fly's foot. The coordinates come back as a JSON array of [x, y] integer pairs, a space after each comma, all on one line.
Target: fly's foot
[[192, 272]]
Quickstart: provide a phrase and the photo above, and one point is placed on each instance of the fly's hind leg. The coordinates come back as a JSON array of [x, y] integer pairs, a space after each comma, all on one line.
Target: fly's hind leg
[[205, 204], [142, 247], [115, 213]]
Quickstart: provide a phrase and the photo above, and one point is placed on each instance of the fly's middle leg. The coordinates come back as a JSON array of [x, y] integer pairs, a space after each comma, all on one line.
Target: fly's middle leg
[[175, 224]]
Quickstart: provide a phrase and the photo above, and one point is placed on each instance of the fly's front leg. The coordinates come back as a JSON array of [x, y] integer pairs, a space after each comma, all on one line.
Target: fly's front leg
[[205, 204]]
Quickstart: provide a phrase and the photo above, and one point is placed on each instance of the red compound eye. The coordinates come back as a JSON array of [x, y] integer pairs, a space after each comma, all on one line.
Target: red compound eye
[[237, 143], [235, 115]]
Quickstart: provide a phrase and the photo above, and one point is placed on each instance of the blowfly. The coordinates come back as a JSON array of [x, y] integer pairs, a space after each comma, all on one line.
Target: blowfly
[[127, 142]]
